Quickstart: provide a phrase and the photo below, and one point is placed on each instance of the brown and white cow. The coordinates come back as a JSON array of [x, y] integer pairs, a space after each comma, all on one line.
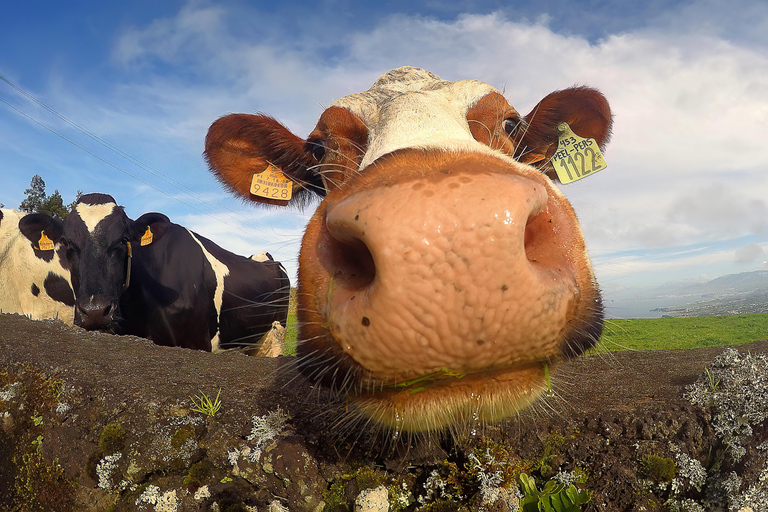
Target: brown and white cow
[[443, 273], [33, 281]]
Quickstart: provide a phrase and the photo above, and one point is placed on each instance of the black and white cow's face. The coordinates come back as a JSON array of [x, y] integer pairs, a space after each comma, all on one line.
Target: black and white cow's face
[[97, 242]]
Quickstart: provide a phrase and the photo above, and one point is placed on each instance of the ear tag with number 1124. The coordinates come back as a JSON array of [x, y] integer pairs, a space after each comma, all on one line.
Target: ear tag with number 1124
[[576, 157]]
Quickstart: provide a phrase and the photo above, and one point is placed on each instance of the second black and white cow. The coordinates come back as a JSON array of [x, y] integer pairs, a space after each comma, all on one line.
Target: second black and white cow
[[32, 279], [152, 278]]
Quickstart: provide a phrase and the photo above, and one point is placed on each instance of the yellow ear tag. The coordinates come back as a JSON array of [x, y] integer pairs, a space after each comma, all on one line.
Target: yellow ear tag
[[576, 157], [146, 239], [272, 184], [45, 243]]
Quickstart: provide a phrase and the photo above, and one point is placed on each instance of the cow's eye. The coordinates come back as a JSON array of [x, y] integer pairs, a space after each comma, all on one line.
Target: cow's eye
[[510, 124], [63, 242], [318, 149]]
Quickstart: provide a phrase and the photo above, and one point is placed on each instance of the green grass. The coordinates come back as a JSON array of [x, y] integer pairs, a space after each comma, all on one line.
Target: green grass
[[673, 333], [291, 333]]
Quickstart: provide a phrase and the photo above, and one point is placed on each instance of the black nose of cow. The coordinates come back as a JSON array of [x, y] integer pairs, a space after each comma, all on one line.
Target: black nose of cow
[[94, 313]]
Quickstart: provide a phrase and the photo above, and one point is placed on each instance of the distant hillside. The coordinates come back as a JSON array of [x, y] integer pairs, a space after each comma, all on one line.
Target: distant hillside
[[733, 294]]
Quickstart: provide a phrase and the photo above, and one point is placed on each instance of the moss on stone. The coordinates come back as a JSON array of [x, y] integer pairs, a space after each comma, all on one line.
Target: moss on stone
[[400, 493], [358, 480], [27, 480], [237, 507], [199, 473], [657, 468], [335, 497], [552, 451], [181, 436], [112, 439], [367, 478], [492, 457], [442, 506], [42, 486]]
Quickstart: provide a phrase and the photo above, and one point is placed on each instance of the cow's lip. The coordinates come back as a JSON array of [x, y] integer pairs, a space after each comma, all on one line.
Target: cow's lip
[[444, 399]]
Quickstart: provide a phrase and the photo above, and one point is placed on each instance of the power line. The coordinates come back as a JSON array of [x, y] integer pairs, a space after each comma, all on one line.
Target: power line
[[158, 174], [113, 148]]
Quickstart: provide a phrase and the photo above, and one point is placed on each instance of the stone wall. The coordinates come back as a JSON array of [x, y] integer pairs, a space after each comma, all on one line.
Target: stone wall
[[90, 421]]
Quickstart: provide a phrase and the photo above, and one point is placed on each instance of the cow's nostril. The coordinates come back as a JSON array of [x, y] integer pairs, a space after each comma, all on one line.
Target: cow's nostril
[[354, 265], [538, 238]]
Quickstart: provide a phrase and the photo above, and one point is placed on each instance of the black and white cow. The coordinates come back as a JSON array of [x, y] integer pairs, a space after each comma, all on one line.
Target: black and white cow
[[32, 279], [158, 280]]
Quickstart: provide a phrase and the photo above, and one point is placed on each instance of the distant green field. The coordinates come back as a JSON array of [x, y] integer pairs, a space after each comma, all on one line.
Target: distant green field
[[290, 334], [654, 333], [669, 333]]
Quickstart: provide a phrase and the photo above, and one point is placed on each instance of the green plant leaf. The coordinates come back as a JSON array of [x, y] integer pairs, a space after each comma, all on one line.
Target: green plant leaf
[[572, 492], [528, 484], [545, 506]]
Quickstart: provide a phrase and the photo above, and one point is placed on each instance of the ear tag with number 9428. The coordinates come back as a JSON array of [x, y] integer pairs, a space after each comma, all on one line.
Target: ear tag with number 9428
[[272, 184], [576, 157]]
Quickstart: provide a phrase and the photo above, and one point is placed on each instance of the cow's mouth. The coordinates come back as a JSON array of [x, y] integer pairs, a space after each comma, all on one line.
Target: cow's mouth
[[446, 398]]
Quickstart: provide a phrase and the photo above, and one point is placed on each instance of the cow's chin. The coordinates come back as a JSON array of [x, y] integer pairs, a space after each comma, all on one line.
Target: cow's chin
[[110, 328], [106, 328], [444, 400]]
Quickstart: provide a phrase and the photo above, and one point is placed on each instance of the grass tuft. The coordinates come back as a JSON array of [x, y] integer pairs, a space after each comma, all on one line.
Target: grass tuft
[[205, 405]]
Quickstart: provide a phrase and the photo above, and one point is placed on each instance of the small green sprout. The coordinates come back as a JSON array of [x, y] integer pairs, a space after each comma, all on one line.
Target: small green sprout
[[37, 442], [205, 405], [549, 382], [226, 480], [37, 420], [713, 382], [426, 380]]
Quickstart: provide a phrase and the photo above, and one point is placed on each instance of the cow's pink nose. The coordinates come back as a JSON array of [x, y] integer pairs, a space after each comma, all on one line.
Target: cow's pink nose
[[463, 270]]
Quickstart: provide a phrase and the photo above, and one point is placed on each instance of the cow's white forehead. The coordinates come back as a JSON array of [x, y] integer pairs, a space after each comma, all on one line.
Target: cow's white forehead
[[410, 107], [92, 214]]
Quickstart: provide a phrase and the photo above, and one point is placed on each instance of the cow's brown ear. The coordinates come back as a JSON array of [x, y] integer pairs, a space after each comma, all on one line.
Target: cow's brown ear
[[149, 228], [238, 146], [586, 111]]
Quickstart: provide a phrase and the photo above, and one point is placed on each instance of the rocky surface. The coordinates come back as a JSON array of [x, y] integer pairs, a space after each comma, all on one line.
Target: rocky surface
[[90, 421]]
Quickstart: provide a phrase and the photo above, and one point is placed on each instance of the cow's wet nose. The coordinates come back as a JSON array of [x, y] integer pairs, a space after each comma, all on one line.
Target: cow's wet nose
[[452, 271], [95, 313]]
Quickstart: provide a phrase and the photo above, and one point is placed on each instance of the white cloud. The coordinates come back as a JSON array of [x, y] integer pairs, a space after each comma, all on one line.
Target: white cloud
[[689, 110], [194, 29], [749, 253], [720, 211], [687, 160]]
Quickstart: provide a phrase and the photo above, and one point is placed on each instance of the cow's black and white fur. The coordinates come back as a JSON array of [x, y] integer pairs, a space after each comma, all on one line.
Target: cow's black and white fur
[[33, 282]]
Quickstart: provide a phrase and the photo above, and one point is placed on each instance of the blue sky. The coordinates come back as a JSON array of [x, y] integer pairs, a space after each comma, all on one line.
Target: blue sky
[[683, 198]]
